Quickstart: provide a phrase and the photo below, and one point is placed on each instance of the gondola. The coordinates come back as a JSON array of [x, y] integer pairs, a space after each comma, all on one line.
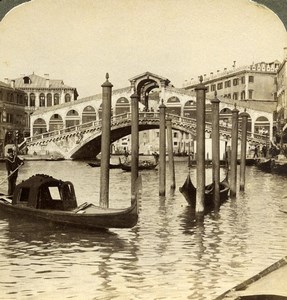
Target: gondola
[[98, 164], [189, 192], [144, 165], [54, 158], [279, 166], [265, 165], [46, 198]]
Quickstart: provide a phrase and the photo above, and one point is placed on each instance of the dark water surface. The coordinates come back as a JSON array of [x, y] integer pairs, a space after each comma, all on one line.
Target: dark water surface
[[168, 255]]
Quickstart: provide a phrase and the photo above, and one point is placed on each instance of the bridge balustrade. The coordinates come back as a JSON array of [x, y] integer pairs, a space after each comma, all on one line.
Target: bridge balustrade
[[126, 117]]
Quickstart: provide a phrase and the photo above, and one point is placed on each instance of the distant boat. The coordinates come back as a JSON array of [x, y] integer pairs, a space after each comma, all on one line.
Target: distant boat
[[279, 166], [54, 158], [98, 164], [264, 164], [143, 165], [189, 192], [46, 198]]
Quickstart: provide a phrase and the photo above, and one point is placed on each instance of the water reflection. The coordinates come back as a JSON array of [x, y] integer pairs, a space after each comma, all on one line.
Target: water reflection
[[170, 254]]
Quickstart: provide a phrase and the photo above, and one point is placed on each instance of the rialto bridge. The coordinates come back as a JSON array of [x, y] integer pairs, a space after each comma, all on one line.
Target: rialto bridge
[[74, 128]]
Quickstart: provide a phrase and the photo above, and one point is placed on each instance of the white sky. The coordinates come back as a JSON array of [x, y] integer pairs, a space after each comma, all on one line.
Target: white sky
[[80, 40]]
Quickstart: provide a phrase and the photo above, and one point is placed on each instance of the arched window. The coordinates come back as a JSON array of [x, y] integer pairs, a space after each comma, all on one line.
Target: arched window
[[67, 98], [42, 100], [56, 99], [243, 95], [56, 122], [49, 99], [32, 100], [39, 126], [235, 96], [26, 80], [26, 100], [89, 114], [122, 105]]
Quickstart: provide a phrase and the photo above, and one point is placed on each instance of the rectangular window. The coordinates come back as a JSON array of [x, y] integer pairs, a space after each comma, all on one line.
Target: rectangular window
[[219, 86], [250, 94], [227, 83], [213, 87], [251, 79], [235, 81], [243, 79], [175, 134]]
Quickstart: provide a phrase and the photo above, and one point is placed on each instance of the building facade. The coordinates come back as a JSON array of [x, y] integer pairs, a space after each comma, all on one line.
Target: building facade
[[281, 116], [12, 116], [41, 92], [256, 82]]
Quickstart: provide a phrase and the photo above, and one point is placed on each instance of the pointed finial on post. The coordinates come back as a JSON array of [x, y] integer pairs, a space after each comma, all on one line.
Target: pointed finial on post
[[107, 83], [215, 99], [162, 104], [200, 78]]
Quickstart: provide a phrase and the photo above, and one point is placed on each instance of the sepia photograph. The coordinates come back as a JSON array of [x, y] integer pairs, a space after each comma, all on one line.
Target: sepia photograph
[[143, 149]]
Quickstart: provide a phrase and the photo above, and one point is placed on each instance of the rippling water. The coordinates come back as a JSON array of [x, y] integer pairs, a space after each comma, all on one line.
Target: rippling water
[[168, 255]]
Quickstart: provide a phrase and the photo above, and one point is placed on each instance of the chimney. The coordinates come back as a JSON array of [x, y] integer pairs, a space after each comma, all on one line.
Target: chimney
[[6, 80], [211, 74], [47, 80], [234, 64]]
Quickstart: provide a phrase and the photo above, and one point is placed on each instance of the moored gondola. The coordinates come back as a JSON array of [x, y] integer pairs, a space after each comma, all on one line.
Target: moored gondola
[[189, 192], [46, 198]]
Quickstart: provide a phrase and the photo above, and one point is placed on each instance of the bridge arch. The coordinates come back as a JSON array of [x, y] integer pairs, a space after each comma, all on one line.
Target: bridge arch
[[173, 106], [249, 121], [56, 122], [262, 125], [225, 117], [72, 118], [39, 126], [189, 109], [122, 106], [89, 114]]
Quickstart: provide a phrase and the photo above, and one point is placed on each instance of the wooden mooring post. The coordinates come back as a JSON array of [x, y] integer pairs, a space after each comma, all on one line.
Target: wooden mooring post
[[134, 141], [244, 117], [215, 151], [170, 153], [200, 146], [105, 142], [162, 150], [234, 152]]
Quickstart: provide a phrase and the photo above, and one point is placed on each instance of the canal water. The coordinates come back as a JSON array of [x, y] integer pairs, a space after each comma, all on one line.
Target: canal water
[[168, 255]]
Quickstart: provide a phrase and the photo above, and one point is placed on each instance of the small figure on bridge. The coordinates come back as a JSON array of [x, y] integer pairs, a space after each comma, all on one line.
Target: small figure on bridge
[[126, 154], [156, 157]]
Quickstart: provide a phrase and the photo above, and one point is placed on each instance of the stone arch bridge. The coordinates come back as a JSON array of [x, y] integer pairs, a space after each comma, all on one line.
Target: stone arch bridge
[[84, 141], [73, 128]]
